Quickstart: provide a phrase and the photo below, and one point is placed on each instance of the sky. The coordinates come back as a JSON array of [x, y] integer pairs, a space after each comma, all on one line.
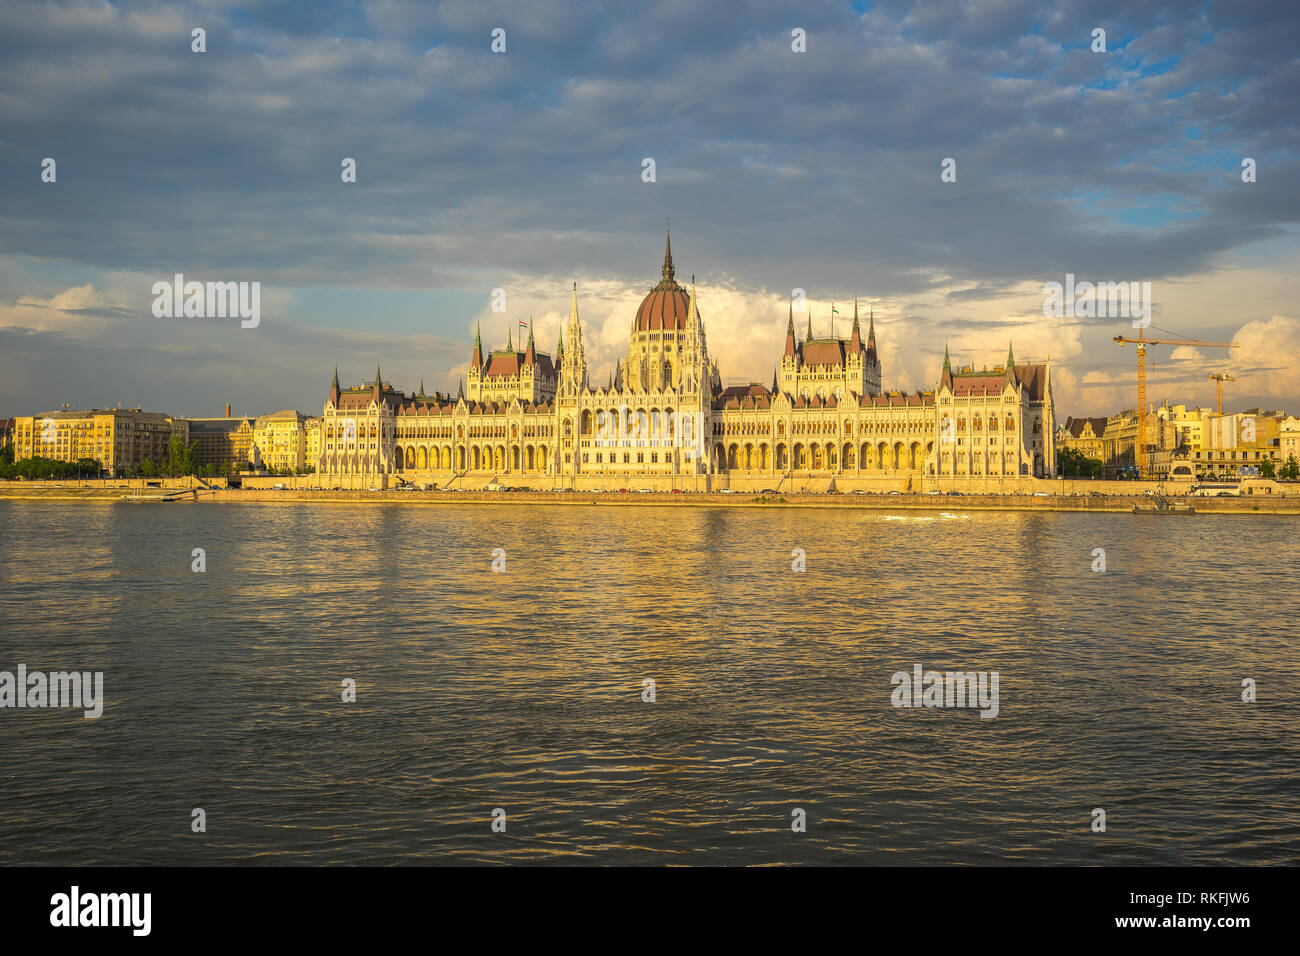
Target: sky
[[523, 170]]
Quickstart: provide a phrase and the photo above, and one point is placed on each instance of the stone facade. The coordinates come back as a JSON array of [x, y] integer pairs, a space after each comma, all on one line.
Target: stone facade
[[121, 440], [664, 420]]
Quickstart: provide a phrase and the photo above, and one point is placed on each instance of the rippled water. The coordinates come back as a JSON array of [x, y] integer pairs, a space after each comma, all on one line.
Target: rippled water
[[523, 690]]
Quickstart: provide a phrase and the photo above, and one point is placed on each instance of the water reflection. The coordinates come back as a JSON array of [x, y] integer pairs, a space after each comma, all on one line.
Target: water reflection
[[523, 689]]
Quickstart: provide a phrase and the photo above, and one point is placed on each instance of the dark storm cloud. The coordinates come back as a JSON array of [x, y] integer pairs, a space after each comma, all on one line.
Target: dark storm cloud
[[818, 170], [825, 164]]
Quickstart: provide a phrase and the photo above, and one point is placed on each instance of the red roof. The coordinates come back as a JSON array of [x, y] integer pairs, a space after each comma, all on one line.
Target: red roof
[[666, 307], [508, 364], [828, 352]]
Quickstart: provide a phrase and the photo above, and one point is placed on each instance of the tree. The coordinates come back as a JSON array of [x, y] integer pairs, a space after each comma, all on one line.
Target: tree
[[1072, 463], [180, 457], [1267, 469], [148, 469], [1291, 470]]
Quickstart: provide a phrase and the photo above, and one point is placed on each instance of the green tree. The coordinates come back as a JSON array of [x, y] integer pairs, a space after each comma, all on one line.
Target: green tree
[[1267, 469], [181, 457], [1072, 463], [148, 469], [1291, 470]]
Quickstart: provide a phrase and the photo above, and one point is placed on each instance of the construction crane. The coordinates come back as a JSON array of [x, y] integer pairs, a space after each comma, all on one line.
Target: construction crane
[[1140, 449], [1219, 379]]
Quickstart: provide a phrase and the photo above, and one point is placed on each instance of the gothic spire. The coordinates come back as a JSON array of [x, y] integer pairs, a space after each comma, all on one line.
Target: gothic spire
[[668, 257], [855, 342], [789, 332]]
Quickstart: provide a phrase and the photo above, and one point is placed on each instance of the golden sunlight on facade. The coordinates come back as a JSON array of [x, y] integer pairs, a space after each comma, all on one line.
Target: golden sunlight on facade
[[664, 420]]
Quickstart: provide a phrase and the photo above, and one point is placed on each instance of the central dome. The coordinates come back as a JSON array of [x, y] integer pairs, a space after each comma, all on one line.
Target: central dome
[[667, 305]]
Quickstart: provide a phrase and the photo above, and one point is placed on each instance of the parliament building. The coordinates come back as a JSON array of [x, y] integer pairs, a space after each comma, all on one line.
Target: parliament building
[[663, 421]]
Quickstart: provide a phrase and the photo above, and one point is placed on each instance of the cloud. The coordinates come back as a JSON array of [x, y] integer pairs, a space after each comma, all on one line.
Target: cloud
[[1268, 360], [522, 170]]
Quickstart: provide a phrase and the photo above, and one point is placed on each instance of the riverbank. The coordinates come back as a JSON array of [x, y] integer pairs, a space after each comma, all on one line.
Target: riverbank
[[878, 502]]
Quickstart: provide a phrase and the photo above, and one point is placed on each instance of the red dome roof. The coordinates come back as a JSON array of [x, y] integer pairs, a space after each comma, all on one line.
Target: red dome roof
[[667, 305], [663, 308]]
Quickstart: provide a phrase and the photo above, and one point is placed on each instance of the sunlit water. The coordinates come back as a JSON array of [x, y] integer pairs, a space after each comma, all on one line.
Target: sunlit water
[[523, 690]]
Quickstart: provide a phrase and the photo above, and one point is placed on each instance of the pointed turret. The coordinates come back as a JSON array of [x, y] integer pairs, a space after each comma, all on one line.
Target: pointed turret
[[855, 342], [421, 387], [809, 335], [573, 367], [510, 344], [476, 360], [947, 362], [789, 333], [460, 390], [378, 386], [334, 389], [1011, 365], [530, 354], [871, 332], [668, 257], [559, 348], [774, 386]]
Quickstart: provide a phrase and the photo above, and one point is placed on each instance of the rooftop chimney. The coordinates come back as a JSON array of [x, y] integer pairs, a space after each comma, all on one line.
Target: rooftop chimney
[[227, 409]]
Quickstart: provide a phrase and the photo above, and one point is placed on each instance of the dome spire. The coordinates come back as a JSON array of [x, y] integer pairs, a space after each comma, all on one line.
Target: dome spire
[[668, 255]]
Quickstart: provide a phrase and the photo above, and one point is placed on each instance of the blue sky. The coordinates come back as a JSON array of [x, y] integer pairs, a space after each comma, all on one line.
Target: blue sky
[[522, 170]]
